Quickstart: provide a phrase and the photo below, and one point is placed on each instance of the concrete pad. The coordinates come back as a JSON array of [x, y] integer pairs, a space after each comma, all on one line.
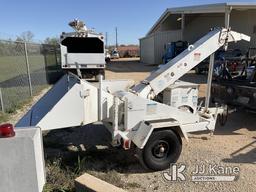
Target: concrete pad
[[90, 183]]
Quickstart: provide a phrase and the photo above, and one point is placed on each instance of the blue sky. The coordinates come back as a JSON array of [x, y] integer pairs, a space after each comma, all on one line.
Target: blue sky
[[48, 18]]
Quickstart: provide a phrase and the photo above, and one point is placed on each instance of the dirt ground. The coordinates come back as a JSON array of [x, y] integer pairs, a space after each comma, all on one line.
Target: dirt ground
[[70, 152]]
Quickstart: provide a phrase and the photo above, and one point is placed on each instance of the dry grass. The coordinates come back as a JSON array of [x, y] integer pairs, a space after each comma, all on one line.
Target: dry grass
[[65, 163], [59, 177], [3, 117], [61, 174]]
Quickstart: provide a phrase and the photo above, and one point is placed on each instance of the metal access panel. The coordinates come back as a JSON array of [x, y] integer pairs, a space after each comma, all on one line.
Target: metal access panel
[[181, 94], [84, 59], [138, 109], [22, 161]]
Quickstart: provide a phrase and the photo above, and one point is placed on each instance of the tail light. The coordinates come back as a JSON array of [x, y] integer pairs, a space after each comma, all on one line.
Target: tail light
[[6, 130]]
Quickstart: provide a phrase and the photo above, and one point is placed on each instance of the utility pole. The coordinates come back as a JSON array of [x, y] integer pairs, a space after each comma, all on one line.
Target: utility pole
[[106, 39], [116, 39]]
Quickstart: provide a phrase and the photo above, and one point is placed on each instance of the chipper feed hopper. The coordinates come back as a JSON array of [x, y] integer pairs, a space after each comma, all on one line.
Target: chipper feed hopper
[[132, 113]]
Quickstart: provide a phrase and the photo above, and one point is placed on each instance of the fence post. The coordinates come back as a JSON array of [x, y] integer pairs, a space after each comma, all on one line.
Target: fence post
[[28, 70], [1, 100]]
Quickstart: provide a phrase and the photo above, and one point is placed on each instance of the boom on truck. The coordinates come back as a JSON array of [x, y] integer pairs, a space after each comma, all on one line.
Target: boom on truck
[[83, 51], [131, 114]]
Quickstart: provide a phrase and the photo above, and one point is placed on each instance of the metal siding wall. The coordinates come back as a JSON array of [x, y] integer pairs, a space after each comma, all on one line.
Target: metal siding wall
[[240, 21], [201, 25], [162, 38], [152, 48], [244, 22], [147, 50]]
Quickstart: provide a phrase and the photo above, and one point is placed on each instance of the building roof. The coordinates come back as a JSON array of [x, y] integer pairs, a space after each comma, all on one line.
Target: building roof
[[207, 8]]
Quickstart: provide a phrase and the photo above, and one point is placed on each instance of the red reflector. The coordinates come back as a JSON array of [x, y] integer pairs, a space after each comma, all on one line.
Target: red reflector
[[127, 144], [6, 130]]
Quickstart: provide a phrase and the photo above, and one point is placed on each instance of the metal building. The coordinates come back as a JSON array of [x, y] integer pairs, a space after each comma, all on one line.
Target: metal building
[[190, 23]]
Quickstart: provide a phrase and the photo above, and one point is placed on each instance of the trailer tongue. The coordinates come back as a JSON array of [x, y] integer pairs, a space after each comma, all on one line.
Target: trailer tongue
[[133, 116]]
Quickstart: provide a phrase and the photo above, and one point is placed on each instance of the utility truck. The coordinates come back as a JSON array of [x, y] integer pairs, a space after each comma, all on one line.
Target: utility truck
[[83, 51], [132, 113]]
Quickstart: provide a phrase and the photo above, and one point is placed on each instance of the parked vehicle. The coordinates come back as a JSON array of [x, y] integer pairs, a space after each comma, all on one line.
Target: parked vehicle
[[130, 113], [231, 58], [107, 56], [83, 50], [238, 91], [115, 54], [173, 49]]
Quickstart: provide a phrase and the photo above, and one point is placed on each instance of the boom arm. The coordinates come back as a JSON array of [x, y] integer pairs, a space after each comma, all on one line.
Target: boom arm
[[184, 62]]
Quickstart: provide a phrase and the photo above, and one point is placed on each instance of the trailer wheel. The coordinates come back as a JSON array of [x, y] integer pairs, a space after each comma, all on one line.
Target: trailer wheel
[[162, 149]]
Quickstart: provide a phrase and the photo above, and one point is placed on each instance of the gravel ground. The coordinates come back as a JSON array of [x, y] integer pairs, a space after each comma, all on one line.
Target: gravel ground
[[231, 145]]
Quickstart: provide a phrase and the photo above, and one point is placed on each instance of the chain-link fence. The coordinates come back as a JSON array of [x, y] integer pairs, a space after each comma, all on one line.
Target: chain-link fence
[[26, 69]]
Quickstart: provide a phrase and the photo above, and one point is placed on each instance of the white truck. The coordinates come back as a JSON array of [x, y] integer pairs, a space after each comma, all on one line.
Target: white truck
[[131, 113], [83, 51]]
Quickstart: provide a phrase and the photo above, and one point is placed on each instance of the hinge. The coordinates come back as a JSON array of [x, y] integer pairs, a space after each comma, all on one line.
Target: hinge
[[85, 93]]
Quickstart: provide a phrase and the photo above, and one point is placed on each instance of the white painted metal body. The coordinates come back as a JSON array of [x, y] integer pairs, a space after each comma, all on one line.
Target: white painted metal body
[[130, 115], [83, 60], [182, 95]]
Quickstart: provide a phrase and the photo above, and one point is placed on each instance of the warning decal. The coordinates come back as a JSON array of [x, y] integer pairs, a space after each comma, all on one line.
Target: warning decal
[[197, 56]]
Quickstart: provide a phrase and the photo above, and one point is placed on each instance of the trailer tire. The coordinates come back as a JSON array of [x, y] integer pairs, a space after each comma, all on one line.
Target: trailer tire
[[162, 149]]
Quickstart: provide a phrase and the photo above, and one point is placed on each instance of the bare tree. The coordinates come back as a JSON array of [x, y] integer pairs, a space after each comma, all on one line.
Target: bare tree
[[26, 36], [52, 40]]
